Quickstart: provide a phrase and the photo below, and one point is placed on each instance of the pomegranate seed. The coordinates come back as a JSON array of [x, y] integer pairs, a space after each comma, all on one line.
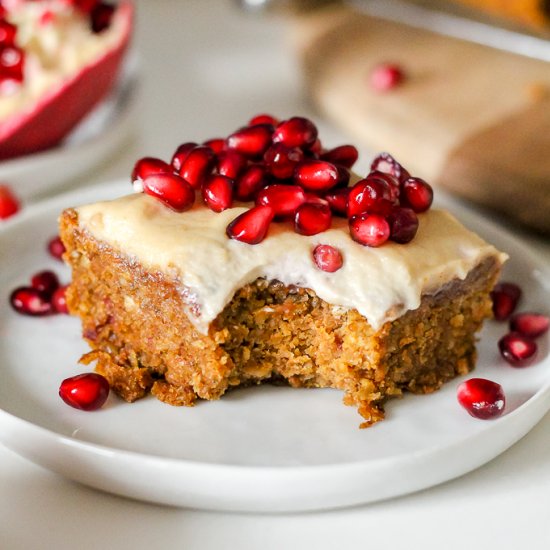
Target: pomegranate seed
[[197, 165], [403, 225], [344, 176], [385, 163], [284, 200], [312, 198], [386, 76], [181, 154], [250, 182], [216, 144], [417, 194], [327, 258], [59, 300], [387, 179], [531, 325], [251, 141], [369, 229], [7, 33], [101, 17], [45, 282], [148, 166], [87, 392], [316, 149], [338, 200], [312, 219], [281, 161], [230, 163], [172, 190], [263, 119], [505, 298], [482, 398], [56, 248], [217, 193], [295, 132], [30, 301], [12, 62], [316, 175], [251, 226], [518, 350], [9, 205], [369, 195], [344, 155]]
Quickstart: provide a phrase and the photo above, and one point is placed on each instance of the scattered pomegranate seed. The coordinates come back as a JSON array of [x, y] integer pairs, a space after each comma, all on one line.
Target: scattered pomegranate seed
[[30, 301], [283, 199], [217, 192], [59, 300], [327, 258], [531, 325], [338, 200], [385, 163], [197, 165], [7, 33], [518, 350], [263, 119], [417, 194], [87, 392], [101, 17], [316, 175], [295, 132], [148, 166], [56, 248], [403, 225], [171, 189], [482, 398], [216, 144], [231, 163], [311, 219], [45, 282], [251, 141], [251, 227], [181, 154], [344, 155], [505, 298], [251, 180], [9, 205], [386, 76], [369, 229], [369, 195], [281, 161]]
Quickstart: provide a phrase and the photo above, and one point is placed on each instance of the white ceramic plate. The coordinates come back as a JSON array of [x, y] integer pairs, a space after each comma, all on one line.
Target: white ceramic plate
[[259, 449]]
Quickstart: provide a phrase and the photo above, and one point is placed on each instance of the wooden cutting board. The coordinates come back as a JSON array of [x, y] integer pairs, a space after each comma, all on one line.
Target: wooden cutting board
[[471, 119]]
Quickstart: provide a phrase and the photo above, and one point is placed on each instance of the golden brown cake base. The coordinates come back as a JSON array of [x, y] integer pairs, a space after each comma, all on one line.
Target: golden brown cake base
[[143, 342]]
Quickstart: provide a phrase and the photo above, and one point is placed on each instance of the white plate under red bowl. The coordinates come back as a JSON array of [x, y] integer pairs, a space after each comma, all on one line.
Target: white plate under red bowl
[[266, 449]]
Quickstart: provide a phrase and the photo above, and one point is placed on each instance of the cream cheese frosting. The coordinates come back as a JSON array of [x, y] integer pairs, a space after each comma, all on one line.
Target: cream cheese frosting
[[192, 249]]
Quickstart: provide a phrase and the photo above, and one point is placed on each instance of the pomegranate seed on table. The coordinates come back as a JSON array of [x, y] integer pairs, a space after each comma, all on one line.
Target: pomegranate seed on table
[[9, 205], [385, 163], [417, 194], [482, 398], [251, 141], [230, 163], [529, 324], [263, 119], [171, 189], [316, 175], [403, 225], [251, 227], [197, 165], [386, 76], [283, 199], [250, 181], [344, 155], [59, 300], [369, 229], [338, 200], [149, 165], [45, 282], [30, 301], [101, 16], [505, 298], [327, 258], [311, 219], [181, 154], [518, 350], [217, 192], [281, 161], [296, 132], [369, 195], [87, 392], [56, 248]]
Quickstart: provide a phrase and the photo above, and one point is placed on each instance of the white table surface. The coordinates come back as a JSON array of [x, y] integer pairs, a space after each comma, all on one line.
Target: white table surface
[[206, 69]]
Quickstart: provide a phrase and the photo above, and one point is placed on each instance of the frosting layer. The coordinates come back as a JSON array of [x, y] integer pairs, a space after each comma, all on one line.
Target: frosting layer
[[193, 250]]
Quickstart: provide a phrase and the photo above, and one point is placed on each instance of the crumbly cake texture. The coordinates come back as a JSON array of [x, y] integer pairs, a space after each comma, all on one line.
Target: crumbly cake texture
[[143, 342]]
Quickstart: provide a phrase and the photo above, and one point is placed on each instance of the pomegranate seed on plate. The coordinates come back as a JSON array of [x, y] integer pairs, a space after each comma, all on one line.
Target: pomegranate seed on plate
[[149, 165], [101, 16], [386, 76], [87, 392], [518, 350], [217, 192], [417, 194], [338, 200], [531, 325], [295, 132], [171, 189], [311, 219], [283, 199], [344, 155], [251, 227], [9, 205], [482, 398], [316, 175], [59, 300], [56, 248], [197, 165], [251, 180], [369, 229], [251, 141], [369, 195], [281, 160], [327, 258], [181, 154], [263, 119], [230, 163], [30, 301], [45, 282], [384, 162], [505, 298], [216, 144], [403, 225]]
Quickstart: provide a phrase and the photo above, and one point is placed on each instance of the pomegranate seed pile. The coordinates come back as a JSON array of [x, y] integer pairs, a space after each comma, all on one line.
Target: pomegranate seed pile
[[282, 167]]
